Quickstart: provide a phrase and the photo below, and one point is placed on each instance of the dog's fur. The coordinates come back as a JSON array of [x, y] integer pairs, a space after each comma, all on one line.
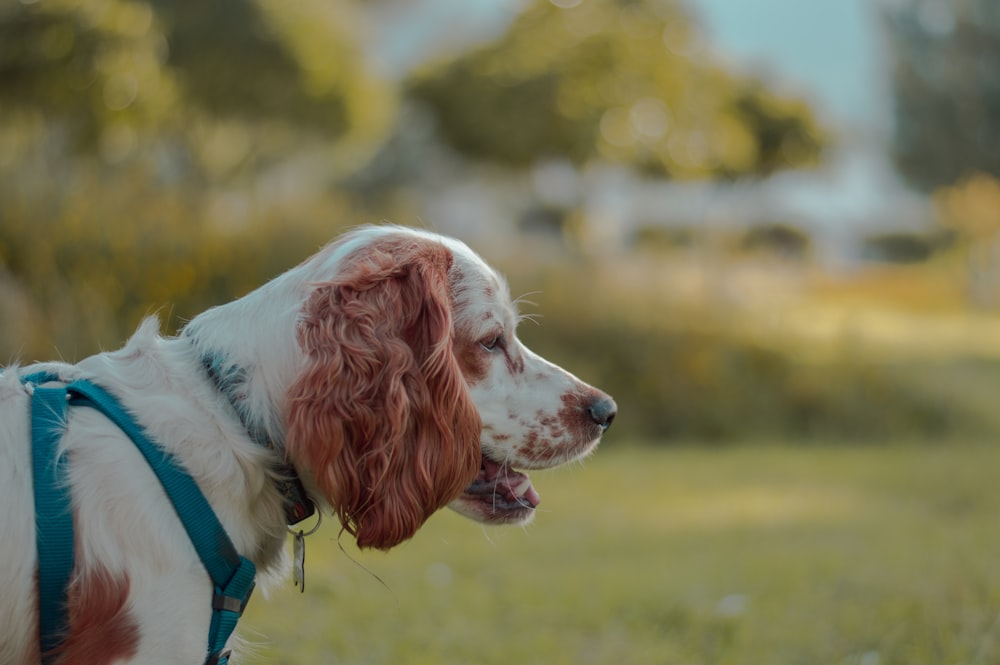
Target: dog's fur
[[385, 369]]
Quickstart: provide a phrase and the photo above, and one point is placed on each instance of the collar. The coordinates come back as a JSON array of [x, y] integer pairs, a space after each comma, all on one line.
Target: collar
[[227, 378]]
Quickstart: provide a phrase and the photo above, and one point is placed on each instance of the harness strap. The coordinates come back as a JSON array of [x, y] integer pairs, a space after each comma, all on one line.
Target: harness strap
[[232, 575], [53, 517]]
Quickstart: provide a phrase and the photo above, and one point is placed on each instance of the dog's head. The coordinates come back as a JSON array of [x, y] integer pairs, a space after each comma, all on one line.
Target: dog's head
[[415, 392]]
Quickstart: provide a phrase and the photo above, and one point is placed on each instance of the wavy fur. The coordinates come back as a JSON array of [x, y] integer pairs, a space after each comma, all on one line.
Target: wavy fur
[[381, 416]]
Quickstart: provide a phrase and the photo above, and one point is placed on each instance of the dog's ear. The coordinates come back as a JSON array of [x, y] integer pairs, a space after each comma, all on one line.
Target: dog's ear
[[381, 415]]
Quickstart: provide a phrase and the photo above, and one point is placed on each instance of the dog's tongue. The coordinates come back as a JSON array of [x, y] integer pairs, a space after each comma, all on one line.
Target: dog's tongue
[[512, 485]]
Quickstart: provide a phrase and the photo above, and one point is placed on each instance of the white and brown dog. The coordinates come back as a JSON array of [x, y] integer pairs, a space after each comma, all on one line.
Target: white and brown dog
[[385, 371]]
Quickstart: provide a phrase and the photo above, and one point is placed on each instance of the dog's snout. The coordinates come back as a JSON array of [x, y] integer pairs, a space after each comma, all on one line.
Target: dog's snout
[[602, 411]]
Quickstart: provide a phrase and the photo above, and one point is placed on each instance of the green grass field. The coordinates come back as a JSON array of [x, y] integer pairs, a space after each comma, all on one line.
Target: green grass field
[[749, 554]]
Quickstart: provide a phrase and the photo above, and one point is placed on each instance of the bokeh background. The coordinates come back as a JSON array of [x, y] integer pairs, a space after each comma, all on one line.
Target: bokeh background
[[769, 228]]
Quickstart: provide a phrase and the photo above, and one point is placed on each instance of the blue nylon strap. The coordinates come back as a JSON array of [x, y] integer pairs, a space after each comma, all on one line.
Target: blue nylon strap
[[214, 547], [228, 606], [232, 575], [53, 517]]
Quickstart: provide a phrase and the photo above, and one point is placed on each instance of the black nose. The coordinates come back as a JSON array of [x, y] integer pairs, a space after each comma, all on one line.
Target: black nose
[[602, 411]]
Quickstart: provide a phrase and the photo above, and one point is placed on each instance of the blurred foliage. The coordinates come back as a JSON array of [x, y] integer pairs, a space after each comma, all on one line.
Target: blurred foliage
[[903, 247], [169, 154], [628, 81], [782, 241], [683, 372], [663, 238], [86, 67], [119, 78], [970, 210], [947, 100], [78, 275], [164, 157]]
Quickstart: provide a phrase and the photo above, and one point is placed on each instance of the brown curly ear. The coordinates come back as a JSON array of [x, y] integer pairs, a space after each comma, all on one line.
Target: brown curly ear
[[381, 414]]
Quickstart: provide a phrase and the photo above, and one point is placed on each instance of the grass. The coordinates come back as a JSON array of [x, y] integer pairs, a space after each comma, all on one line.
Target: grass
[[748, 554]]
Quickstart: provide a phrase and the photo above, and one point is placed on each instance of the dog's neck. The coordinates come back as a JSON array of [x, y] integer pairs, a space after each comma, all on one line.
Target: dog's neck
[[249, 350], [231, 380]]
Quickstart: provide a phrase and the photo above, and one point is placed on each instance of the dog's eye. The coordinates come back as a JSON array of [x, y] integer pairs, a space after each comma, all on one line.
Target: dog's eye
[[491, 343]]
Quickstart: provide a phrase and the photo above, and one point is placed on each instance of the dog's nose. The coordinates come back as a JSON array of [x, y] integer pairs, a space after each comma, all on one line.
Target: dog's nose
[[602, 411]]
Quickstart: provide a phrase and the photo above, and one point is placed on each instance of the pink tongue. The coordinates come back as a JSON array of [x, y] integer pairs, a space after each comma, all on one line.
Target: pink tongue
[[532, 496]]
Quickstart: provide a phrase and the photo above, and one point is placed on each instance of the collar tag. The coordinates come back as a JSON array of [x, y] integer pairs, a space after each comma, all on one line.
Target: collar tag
[[299, 552], [299, 561]]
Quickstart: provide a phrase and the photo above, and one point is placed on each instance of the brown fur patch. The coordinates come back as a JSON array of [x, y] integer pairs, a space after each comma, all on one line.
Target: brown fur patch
[[102, 629], [381, 413], [472, 361]]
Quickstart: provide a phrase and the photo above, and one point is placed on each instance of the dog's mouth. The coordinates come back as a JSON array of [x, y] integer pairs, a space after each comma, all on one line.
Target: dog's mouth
[[499, 494]]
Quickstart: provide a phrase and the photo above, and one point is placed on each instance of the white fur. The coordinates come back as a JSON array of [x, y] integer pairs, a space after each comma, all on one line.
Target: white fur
[[125, 522]]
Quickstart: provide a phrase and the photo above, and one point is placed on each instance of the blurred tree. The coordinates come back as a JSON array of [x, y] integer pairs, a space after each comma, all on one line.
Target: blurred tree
[[904, 247], [656, 238], [971, 210], [100, 69], [777, 240], [623, 80], [300, 64], [139, 139], [83, 66], [946, 87]]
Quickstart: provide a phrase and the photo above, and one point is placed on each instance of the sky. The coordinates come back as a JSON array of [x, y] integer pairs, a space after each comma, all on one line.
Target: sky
[[830, 49]]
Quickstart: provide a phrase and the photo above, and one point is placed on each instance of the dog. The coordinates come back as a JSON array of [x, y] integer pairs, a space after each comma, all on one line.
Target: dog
[[383, 375]]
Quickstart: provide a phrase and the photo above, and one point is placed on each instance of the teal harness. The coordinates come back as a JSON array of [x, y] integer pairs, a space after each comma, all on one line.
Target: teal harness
[[232, 575]]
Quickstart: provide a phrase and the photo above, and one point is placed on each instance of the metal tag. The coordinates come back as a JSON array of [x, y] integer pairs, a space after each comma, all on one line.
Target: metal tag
[[299, 561]]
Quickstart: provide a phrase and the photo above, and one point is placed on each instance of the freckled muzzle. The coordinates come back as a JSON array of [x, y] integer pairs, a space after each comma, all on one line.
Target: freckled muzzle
[[501, 494]]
